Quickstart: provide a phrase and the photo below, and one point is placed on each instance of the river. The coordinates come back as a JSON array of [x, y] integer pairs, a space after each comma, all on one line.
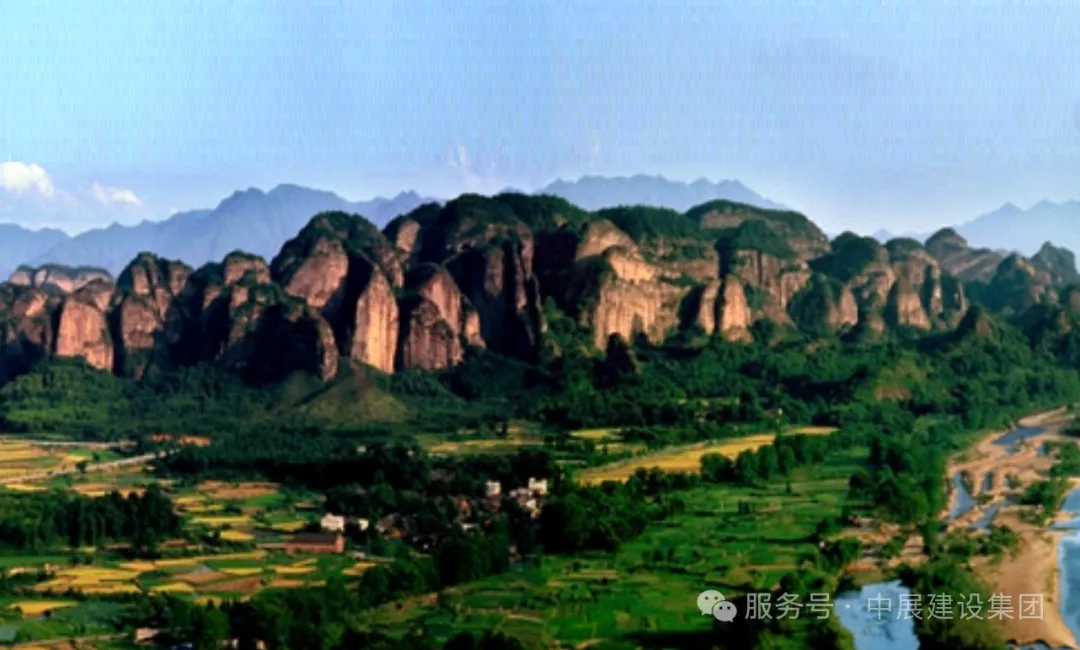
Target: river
[[1069, 565], [876, 626]]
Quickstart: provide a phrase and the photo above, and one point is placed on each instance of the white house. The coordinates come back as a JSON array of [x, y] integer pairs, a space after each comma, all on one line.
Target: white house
[[363, 523], [494, 488], [333, 523], [538, 487]]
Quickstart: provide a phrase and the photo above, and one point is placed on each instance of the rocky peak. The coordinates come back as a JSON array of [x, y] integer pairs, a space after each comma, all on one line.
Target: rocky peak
[[238, 264], [1018, 285], [799, 233], [148, 272], [955, 256], [59, 278], [945, 241], [1060, 263], [337, 267]]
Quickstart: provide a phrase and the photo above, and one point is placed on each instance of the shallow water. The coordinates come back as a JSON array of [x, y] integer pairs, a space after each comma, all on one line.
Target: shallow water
[[964, 501], [987, 516], [874, 631], [1012, 438], [1069, 565]]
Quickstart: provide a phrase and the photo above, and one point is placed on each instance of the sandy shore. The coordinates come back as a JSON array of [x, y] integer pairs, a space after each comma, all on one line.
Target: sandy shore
[[1034, 569]]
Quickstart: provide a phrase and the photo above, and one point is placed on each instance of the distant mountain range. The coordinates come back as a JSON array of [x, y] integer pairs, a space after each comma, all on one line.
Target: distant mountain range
[[1011, 228], [251, 220], [260, 222], [18, 244], [596, 192]]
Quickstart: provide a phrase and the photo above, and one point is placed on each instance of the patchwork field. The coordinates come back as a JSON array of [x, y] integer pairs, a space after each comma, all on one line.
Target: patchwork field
[[685, 459], [651, 583], [20, 458], [224, 576]]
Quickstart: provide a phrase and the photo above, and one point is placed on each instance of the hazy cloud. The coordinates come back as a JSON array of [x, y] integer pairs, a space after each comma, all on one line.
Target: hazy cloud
[[19, 178], [482, 178], [113, 195]]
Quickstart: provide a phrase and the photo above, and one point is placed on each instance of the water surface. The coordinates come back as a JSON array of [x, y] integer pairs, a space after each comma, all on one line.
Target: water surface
[[964, 501], [858, 612], [1013, 438]]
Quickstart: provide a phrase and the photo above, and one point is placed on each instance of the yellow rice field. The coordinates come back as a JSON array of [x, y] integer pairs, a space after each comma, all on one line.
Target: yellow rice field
[[172, 588], [596, 434], [242, 571], [225, 520], [358, 568], [139, 566], [39, 607], [289, 526], [236, 536], [685, 459]]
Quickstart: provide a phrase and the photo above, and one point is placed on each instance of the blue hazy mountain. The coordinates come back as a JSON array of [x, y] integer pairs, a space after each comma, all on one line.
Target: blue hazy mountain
[[1013, 228], [18, 244], [251, 220], [596, 192]]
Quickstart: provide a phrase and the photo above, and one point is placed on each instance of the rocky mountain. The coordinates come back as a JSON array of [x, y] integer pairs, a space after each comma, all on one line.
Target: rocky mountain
[[961, 260], [597, 192], [489, 272], [20, 244], [251, 220]]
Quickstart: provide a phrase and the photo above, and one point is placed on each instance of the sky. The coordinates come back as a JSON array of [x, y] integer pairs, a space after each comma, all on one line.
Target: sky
[[864, 115]]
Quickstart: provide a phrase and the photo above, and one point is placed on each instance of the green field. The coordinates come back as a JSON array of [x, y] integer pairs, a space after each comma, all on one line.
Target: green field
[[650, 584]]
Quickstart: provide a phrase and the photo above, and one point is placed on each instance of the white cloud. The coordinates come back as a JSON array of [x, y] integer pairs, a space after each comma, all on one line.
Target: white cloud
[[18, 178], [111, 195], [483, 178]]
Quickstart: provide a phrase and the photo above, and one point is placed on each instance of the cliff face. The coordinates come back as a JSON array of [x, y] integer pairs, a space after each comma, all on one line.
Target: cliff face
[[898, 284], [475, 273], [338, 266]]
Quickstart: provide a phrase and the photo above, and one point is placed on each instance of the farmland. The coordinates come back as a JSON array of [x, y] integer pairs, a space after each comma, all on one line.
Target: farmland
[[20, 458], [685, 459], [649, 584], [233, 548]]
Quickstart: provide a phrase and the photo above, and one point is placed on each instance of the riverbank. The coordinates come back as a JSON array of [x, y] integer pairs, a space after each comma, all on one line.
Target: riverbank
[[1033, 570], [1035, 567], [1022, 463]]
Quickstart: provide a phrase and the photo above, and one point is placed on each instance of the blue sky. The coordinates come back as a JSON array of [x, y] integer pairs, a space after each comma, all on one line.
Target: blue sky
[[902, 115]]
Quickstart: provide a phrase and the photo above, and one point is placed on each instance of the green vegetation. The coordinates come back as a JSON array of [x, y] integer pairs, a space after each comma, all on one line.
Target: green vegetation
[[42, 522], [543, 212], [850, 255], [647, 224], [753, 235]]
